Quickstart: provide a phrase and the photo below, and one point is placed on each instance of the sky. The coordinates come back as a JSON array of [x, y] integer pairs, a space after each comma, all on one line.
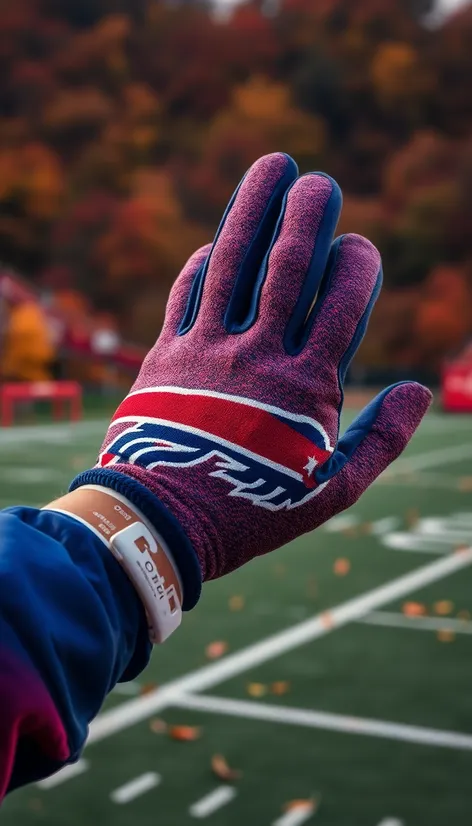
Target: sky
[[445, 7], [452, 4]]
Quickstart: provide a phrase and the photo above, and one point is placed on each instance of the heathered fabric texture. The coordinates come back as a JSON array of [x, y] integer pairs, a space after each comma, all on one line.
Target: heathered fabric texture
[[225, 530]]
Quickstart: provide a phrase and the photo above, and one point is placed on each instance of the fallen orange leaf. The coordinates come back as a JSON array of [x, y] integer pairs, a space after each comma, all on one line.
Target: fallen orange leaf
[[443, 607], [220, 767], [256, 689], [413, 609], [236, 603], [280, 687], [445, 635], [216, 649], [464, 615], [303, 805], [465, 484], [350, 532], [327, 619], [147, 688], [342, 566], [185, 733]]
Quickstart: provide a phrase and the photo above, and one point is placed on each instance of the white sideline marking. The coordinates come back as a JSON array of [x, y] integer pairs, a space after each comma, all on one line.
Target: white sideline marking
[[436, 526], [211, 802], [295, 817], [434, 534], [140, 708], [394, 620], [385, 525], [140, 785], [67, 773], [328, 721], [350, 520]]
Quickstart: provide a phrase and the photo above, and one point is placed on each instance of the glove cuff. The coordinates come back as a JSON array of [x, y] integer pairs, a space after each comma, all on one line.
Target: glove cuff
[[160, 517]]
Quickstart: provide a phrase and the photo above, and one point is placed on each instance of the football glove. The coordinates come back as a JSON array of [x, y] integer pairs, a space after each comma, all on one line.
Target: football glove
[[229, 440]]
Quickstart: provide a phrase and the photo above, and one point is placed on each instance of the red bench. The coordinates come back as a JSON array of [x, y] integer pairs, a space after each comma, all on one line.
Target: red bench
[[59, 393]]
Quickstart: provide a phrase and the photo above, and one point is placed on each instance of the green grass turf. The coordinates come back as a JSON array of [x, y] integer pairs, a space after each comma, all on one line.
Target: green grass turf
[[391, 674]]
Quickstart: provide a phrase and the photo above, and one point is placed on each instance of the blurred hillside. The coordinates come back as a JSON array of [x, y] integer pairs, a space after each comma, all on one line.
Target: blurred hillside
[[126, 124]]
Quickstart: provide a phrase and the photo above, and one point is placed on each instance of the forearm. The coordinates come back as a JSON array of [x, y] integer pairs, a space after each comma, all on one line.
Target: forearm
[[71, 626]]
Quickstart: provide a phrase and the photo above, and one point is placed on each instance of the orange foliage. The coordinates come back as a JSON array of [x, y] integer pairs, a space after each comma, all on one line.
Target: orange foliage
[[428, 159], [261, 118], [101, 45], [85, 107], [33, 175], [395, 71], [444, 315], [122, 140]]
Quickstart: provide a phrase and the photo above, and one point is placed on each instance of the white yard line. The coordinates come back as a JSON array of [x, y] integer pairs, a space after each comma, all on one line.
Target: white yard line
[[404, 541], [439, 534], [296, 816], [134, 788], [391, 821], [328, 721], [389, 619], [341, 522], [140, 708], [351, 520], [437, 526], [74, 770], [212, 802]]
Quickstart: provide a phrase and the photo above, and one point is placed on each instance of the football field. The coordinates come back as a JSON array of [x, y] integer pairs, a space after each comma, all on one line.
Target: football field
[[333, 676]]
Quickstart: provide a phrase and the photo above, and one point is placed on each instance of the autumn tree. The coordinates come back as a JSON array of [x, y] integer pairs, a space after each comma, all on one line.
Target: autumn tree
[[125, 126]]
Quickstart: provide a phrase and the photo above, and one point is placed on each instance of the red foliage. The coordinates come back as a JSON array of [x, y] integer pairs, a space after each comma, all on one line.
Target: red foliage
[[122, 136]]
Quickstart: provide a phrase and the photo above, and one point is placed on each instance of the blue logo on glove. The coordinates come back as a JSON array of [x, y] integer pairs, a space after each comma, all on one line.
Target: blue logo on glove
[[253, 477]]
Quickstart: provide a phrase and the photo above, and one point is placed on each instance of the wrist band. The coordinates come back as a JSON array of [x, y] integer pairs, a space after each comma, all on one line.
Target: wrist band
[[138, 548]]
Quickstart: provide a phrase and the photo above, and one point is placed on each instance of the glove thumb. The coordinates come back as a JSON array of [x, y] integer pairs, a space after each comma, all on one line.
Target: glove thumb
[[374, 440]]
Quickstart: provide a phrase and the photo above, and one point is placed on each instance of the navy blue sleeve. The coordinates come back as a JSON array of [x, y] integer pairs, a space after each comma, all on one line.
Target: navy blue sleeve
[[71, 627]]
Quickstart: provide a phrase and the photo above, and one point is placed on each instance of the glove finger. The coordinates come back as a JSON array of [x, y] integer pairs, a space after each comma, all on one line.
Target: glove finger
[[373, 441], [227, 282], [182, 297], [347, 296], [293, 269]]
